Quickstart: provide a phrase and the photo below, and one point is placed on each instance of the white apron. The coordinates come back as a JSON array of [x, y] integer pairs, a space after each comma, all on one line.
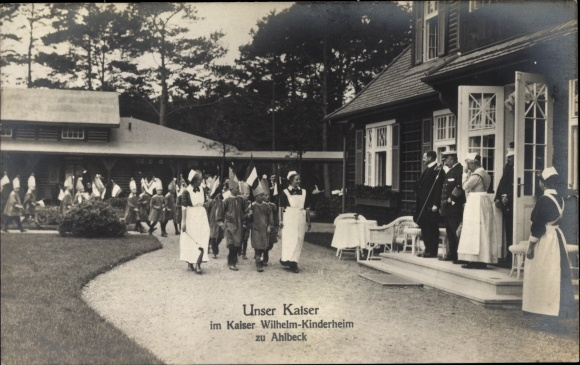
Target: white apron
[[541, 291], [197, 230], [294, 227], [477, 234]]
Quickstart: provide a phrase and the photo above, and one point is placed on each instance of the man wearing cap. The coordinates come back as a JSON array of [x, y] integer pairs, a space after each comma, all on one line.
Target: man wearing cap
[[476, 244], [452, 201], [428, 193], [504, 200], [13, 207]]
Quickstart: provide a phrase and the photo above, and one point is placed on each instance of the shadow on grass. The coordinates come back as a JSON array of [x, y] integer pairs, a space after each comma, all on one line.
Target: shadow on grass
[[44, 318], [323, 239]]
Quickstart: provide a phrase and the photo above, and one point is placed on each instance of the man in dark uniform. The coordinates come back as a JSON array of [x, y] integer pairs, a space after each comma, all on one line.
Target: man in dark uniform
[[504, 200], [452, 201], [428, 201]]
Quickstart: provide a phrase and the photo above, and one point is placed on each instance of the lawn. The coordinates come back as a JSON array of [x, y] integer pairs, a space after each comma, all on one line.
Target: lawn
[[44, 319]]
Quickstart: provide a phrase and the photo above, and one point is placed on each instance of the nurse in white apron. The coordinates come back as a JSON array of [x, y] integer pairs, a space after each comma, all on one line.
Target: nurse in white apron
[[194, 224], [547, 279], [295, 204]]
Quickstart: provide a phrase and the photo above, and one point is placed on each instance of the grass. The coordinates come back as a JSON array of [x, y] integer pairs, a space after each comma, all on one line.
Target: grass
[[323, 239], [44, 318]]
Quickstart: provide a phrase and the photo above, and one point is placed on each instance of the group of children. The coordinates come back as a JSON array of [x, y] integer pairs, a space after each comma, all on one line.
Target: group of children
[[152, 207], [232, 217], [243, 220]]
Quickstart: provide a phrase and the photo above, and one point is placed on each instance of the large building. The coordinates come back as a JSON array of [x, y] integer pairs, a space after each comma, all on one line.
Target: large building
[[58, 133], [478, 76]]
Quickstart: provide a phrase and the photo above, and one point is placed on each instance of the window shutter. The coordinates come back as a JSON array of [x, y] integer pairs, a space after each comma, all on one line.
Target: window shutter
[[359, 157], [418, 32], [442, 25], [396, 157]]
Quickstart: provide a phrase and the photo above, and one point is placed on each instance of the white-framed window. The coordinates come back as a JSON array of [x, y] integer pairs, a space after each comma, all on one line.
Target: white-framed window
[[478, 4], [430, 29], [73, 133], [379, 154], [481, 128], [573, 134], [5, 131], [444, 131]]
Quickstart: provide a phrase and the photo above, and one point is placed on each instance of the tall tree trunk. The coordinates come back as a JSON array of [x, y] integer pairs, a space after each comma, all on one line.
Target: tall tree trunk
[[325, 168], [164, 90], [90, 64], [29, 59]]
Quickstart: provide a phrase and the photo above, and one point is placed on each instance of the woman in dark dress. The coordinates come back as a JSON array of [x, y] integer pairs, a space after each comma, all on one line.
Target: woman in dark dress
[[547, 281]]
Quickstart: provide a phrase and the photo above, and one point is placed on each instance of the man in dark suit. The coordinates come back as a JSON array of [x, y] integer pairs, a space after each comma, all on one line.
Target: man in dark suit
[[428, 200], [504, 200], [452, 201]]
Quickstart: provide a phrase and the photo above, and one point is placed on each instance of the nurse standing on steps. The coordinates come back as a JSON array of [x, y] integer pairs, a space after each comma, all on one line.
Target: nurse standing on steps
[[295, 205]]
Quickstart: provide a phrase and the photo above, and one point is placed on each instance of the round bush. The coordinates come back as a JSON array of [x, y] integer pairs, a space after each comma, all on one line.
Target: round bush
[[93, 218]]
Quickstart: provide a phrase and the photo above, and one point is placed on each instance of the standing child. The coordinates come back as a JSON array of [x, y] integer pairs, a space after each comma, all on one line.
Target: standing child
[[169, 213], [67, 201], [215, 207], [132, 208], [157, 206], [260, 214], [178, 206], [13, 207], [247, 226], [273, 236], [232, 221], [143, 203]]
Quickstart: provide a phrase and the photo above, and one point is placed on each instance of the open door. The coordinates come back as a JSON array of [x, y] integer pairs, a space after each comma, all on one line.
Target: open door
[[533, 146], [480, 129]]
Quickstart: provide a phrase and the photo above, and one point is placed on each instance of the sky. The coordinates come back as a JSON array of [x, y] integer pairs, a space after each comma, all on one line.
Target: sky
[[234, 19]]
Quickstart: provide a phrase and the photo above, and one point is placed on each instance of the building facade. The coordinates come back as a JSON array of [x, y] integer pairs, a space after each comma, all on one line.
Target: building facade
[[56, 134], [478, 76]]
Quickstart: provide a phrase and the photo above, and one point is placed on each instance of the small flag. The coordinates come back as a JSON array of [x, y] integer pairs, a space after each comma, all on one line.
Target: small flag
[[31, 181], [171, 186], [157, 184], [116, 190], [98, 186], [5, 181], [132, 185], [69, 182], [79, 185], [40, 203], [251, 176], [214, 187]]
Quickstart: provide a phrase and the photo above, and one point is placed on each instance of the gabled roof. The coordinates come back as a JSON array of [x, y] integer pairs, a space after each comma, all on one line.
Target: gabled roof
[[137, 138], [134, 137], [50, 106], [505, 48], [397, 82]]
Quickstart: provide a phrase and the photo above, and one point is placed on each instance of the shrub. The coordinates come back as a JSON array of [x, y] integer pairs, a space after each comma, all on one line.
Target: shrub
[[93, 218], [49, 215], [327, 208], [118, 202]]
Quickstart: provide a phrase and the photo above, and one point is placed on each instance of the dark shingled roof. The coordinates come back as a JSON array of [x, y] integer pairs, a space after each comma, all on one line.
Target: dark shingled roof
[[509, 47], [397, 82]]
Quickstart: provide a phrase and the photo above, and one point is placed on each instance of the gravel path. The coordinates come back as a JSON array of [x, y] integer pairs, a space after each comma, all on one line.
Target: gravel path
[[168, 310]]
